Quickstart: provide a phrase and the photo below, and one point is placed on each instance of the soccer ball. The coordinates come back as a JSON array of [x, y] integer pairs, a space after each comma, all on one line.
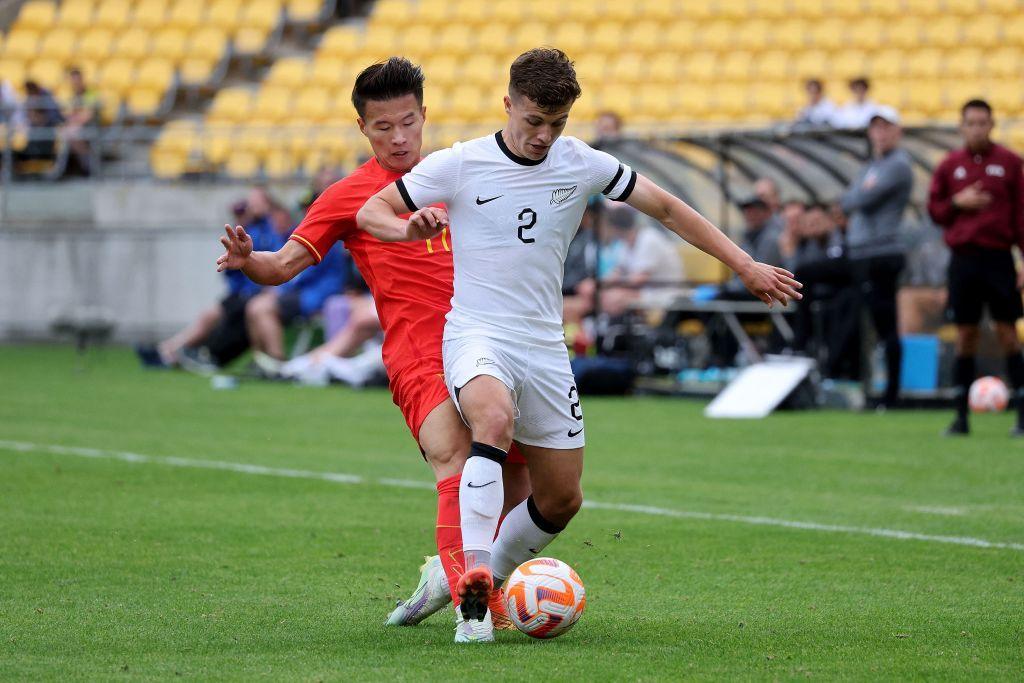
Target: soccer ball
[[545, 597], [988, 395]]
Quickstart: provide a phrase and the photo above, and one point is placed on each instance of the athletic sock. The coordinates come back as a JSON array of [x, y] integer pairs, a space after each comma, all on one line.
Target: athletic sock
[[481, 496], [963, 376], [1015, 369], [448, 532], [523, 535]]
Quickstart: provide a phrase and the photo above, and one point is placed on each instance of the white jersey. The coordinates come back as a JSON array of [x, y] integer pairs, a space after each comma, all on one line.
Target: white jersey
[[512, 220]]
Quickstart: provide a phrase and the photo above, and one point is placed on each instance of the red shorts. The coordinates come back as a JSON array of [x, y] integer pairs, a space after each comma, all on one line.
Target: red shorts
[[419, 388]]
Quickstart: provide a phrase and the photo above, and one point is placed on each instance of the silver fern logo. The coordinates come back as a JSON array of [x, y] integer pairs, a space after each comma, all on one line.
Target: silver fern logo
[[560, 195]]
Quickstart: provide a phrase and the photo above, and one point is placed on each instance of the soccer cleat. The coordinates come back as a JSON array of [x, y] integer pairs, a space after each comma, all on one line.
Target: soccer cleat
[[474, 591], [957, 428], [472, 630], [499, 610], [1017, 432], [431, 595]]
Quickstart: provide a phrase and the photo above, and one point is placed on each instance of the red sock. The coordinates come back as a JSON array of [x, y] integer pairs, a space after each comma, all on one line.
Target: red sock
[[449, 531]]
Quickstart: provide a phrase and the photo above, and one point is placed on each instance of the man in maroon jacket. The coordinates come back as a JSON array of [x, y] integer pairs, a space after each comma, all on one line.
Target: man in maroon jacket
[[976, 196]]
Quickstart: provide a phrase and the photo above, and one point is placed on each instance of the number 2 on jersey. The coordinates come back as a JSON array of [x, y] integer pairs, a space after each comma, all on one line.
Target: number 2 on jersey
[[528, 219]]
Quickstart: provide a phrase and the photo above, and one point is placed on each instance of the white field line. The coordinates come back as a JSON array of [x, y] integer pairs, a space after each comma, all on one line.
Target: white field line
[[336, 477]]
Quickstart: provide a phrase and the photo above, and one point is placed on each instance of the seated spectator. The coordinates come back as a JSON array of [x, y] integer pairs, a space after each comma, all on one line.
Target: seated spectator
[[819, 110], [12, 113], [857, 113], [81, 123], [578, 284], [219, 334], [268, 313], [648, 269], [767, 190], [43, 116], [760, 239], [607, 128]]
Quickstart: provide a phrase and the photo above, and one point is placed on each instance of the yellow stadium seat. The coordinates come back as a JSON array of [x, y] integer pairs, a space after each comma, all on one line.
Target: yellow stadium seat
[[13, 71], [530, 35], [230, 105], [882, 8], [849, 64], [680, 36], [194, 71], [770, 9], [509, 14], [662, 11], [574, 38], [314, 105], [288, 71], [731, 100], [718, 35], [155, 74], [772, 65], [465, 103], [224, 14], [471, 12], [133, 43], [332, 72], [149, 14], [963, 62], [340, 41], [209, 43], [627, 67], [117, 75], [251, 40], [492, 39], [925, 63], [772, 100], [943, 31], [810, 9], [442, 69], [296, 138], [866, 33], [242, 164], [811, 63], [700, 66], [1005, 97], [969, 8], [96, 44], [58, 43], [391, 12], [982, 31], [615, 11], [656, 101], [144, 102], [170, 43], [925, 8], [755, 35], [428, 12], [417, 42], [279, 164], [615, 97], [459, 40], [47, 72], [924, 95], [261, 13], [179, 136], [216, 143], [110, 107], [791, 34], [481, 69], [1005, 7], [304, 11], [38, 15], [76, 13], [699, 9], [905, 32], [187, 14], [167, 165], [273, 104], [592, 68], [888, 64], [21, 44], [736, 66], [1004, 62], [113, 14], [1013, 30], [664, 68]]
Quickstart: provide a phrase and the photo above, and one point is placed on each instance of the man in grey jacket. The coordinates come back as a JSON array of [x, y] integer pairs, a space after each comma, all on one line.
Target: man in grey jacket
[[875, 203]]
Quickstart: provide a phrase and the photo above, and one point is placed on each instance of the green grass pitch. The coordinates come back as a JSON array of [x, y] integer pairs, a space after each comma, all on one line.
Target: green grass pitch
[[114, 570]]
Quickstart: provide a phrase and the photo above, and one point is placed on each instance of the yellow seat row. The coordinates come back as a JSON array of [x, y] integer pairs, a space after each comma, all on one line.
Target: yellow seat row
[[228, 15]]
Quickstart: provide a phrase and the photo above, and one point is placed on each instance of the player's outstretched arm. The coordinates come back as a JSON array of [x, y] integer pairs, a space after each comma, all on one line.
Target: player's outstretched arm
[[262, 267], [768, 283], [380, 217]]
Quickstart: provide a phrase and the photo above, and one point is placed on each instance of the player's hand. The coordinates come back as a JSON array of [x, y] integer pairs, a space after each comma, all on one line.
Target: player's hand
[[771, 283], [426, 223], [237, 247], [972, 198]]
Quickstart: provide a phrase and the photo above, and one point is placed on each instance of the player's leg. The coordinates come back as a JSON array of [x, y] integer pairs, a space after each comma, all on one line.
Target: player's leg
[[262, 321], [966, 304], [193, 335], [1005, 305], [556, 498], [885, 273]]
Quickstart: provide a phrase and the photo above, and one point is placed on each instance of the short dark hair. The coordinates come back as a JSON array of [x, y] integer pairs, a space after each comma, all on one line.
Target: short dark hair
[[387, 80], [814, 82], [860, 81], [975, 104], [545, 75]]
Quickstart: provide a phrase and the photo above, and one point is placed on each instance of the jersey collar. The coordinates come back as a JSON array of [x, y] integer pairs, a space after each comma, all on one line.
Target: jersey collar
[[522, 161]]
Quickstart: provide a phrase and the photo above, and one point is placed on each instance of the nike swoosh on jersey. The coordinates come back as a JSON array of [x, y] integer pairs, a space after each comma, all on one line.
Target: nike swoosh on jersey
[[484, 201], [480, 486], [572, 433]]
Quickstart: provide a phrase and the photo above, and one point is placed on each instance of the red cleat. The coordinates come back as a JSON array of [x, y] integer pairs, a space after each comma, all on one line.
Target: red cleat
[[499, 610], [474, 590]]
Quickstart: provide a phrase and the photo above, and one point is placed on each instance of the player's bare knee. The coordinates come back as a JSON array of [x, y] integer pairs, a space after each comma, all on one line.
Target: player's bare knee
[[446, 458], [560, 506], [493, 425]]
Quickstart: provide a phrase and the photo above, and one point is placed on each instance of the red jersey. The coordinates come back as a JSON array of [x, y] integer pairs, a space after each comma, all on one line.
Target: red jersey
[[411, 282], [1000, 225]]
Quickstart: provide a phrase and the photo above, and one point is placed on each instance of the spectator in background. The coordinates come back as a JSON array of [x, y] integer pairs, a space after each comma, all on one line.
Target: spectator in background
[[819, 110], [219, 335], [767, 190], [12, 113], [648, 269], [607, 128], [976, 197], [760, 240], [857, 113], [875, 203], [43, 116], [579, 281], [81, 123]]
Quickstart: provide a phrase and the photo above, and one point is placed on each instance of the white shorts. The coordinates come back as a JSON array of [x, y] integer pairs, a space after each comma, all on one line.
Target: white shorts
[[548, 412]]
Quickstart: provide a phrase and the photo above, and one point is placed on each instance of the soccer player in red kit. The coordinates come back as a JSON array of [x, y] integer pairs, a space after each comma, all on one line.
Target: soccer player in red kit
[[411, 283]]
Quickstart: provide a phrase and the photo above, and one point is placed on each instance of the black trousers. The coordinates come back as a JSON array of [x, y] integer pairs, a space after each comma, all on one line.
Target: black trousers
[[230, 338], [877, 280]]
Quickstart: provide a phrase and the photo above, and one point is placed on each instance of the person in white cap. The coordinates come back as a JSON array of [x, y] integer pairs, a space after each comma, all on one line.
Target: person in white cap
[[875, 203]]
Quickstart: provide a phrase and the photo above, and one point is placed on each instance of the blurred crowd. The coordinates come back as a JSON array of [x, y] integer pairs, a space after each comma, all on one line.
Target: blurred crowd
[[34, 126]]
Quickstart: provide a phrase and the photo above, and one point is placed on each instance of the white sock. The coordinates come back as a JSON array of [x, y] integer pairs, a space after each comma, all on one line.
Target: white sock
[[481, 496], [520, 539]]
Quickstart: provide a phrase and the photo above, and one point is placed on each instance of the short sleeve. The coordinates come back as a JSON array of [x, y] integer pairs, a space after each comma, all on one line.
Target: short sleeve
[[432, 181], [332, 217], [608, 175]]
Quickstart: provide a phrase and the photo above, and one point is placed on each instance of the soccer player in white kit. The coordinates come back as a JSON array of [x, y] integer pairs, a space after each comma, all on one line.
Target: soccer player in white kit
[[515, 200]]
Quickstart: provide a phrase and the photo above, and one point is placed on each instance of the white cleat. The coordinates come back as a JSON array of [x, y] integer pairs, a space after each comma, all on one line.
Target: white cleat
[[431, 596], [473, 630]]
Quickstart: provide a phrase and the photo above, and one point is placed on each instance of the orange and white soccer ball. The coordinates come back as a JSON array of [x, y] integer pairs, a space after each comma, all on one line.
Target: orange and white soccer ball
[[988, 395], [545, 597]]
